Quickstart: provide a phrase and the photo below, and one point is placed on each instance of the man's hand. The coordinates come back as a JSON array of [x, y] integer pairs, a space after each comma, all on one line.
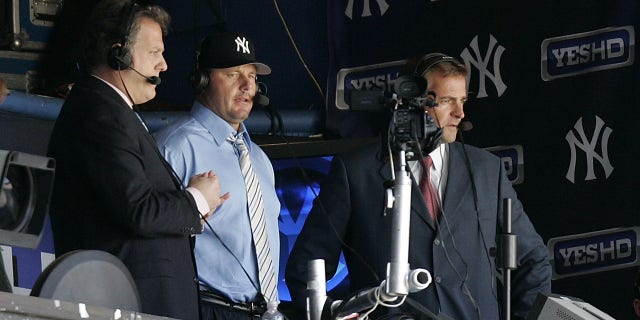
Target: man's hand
[[207, 183]]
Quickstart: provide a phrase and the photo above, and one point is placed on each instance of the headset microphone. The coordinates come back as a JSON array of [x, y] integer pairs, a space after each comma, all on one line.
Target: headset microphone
[[154, 80], [465, 125], [123, 62], [151, 79], [261, 100]]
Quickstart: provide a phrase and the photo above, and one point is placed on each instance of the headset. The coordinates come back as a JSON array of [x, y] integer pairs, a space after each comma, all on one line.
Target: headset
[[199, 80], [429, 60], [119, 56], [416, 76]]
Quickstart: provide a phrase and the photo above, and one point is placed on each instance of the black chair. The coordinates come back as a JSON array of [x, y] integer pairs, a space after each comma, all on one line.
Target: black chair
[[92, 277]]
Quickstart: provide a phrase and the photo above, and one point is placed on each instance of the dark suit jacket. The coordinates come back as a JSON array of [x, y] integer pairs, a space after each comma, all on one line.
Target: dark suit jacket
[[114, 192], [458, 254]]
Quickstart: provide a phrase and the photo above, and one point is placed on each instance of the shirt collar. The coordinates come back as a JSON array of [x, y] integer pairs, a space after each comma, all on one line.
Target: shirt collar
[[217, 127], [122, 94], [440, 156]]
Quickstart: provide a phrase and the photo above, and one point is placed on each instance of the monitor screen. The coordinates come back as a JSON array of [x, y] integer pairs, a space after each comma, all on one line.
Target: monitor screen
[[300, 168], [25, 191]]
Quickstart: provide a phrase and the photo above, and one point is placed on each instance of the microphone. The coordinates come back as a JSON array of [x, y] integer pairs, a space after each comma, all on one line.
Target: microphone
[[261, 100], [151, 79], [317, 289], [465, 125]]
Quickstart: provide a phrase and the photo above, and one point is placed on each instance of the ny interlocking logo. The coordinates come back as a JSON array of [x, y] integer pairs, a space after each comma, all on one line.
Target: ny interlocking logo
[[589, 147], [366, 8], [242, 43], [481, 62]]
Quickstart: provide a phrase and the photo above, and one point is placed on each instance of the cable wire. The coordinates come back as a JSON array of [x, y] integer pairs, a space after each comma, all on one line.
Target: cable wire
[[295, 47], [463, 280]]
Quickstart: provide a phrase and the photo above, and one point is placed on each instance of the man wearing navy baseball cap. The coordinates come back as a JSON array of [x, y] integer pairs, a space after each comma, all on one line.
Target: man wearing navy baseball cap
[[237, 254], [229, 49]]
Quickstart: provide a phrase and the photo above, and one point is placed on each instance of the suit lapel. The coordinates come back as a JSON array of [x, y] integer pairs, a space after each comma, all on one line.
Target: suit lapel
[[92, 83], [142, 130], [458, 183], [418, 206]]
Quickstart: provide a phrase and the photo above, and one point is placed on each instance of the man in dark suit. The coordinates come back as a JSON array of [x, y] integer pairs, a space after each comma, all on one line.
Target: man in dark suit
[[113, 190], [455, 241]]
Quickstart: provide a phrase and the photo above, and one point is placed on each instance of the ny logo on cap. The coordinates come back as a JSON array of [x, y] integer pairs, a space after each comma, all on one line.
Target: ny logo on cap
[[242, 43]]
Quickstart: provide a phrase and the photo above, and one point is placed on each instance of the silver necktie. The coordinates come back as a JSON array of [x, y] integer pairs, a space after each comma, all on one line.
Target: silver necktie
[[266, 273]]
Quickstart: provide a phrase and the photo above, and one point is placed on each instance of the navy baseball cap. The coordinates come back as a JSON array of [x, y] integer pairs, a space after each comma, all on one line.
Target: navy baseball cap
[[229, 49]]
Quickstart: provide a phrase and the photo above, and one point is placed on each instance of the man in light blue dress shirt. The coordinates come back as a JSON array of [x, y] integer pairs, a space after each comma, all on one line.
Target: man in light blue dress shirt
[[225, 85]]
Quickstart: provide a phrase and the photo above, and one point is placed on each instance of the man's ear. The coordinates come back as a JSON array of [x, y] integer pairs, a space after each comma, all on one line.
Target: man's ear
[[636, 306]]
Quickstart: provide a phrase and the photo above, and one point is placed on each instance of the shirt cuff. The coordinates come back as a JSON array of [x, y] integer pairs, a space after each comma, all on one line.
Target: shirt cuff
[[201, 202]]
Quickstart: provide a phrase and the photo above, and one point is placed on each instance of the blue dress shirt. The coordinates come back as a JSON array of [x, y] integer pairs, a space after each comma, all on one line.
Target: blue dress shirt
[[198, 144]]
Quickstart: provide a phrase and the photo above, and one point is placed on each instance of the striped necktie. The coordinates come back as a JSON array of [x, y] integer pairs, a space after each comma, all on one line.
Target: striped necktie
[[266, 273]]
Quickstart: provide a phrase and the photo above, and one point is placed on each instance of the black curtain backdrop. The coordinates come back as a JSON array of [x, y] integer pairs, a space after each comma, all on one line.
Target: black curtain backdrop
[[558, 78], [553, 84]]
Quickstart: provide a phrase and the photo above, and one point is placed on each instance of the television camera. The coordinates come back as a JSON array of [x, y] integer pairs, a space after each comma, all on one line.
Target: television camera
[[412, 134], [410, 124]]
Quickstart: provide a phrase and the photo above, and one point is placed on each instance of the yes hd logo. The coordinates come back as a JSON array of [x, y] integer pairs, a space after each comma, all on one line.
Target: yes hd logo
[[594, 252], [580, 53], [378, 77], [512, 158]]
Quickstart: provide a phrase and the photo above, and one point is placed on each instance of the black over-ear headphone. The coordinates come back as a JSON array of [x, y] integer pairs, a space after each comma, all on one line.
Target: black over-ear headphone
[[199, 80], [429, 60], [119, 56], [411, 83]]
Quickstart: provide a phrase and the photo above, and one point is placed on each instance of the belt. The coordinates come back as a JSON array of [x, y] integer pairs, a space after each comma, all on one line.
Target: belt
[[252, 308]]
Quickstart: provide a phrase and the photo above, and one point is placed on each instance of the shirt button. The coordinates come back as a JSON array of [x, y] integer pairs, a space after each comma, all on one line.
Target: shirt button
[[436, 242], [438, 279]]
